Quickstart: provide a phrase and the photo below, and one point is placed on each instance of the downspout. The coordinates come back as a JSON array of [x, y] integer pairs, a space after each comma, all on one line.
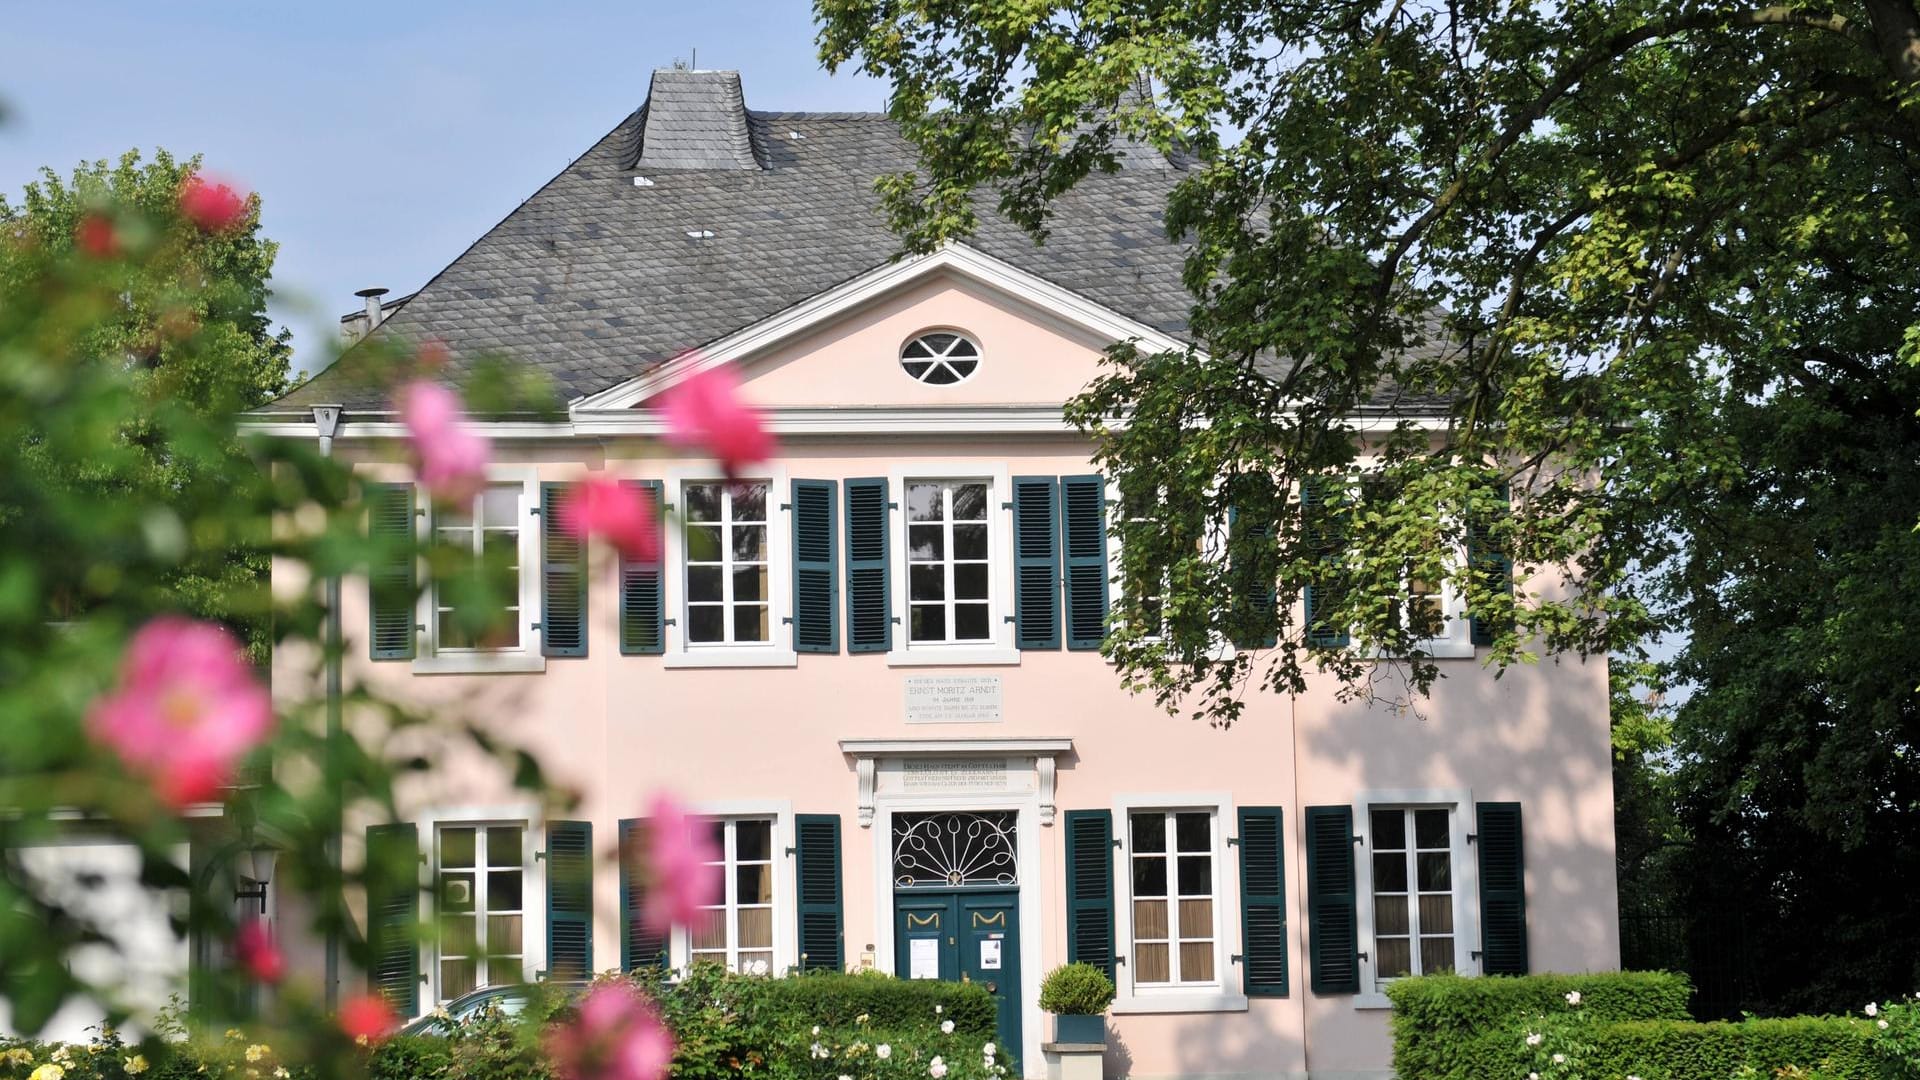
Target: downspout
[[326, 422]]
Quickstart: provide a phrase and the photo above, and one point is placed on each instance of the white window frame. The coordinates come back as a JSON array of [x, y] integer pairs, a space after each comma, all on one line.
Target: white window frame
[[1455, 641], [1000, 648], [786, 947], [1223, 993], [979, 356], [524, 657], [1466, 880], [1216, 541], [777, 650], [533, 883]]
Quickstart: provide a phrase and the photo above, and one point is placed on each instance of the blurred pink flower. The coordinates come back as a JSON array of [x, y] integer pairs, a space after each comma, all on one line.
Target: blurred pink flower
[[450, 460], [680, 882], [705, 412], [433, 354], [600, 505], [259, 956], [97, 237], [616, 1036], [367, 1018], [210, 204], [186, 711]]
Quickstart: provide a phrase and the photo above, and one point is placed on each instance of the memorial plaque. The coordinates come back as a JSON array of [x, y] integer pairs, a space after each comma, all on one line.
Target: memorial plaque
[[953, 699], [956, 775]]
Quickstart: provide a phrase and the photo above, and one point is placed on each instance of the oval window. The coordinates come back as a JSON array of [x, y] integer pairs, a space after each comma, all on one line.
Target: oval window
[[940, 357]]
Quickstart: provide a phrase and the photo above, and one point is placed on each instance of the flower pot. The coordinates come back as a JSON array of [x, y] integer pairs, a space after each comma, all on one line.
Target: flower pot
[[1080, 1029]]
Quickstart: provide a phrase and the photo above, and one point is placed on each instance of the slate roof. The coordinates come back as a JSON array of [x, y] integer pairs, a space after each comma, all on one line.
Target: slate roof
[[595, 279]]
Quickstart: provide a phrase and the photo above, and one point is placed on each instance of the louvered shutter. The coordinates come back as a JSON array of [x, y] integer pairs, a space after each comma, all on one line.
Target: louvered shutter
[[393, 914], [1083, 529], [817, 858], [1326, 539], [1263, 903], [391, 580], [1090, 889], [640, 945], [1489, 564], [569, 900], [563, 580], [1333, 932], [816, 602], [869, 588], [1036, 562], [1251, 562], [1503, 889], [643, 603]]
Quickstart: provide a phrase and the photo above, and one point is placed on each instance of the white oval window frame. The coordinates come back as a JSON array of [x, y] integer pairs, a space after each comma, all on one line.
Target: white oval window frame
[[901, 359]]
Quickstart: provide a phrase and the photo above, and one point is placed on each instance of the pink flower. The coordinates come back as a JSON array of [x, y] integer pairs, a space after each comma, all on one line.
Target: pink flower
[[96, 236], [705, 412], [259, 956], [617, 1036], [450, 460], [599, 505], [367, 1018], [211, 205], [186, 711], [680, 880]]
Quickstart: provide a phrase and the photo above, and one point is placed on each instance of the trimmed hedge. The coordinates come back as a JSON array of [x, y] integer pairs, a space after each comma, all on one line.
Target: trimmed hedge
[[1835, 1047], [1450, 1027], [834, 1000]]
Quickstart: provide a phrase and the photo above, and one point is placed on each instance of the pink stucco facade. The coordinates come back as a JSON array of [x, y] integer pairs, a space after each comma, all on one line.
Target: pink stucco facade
[[779, 734]]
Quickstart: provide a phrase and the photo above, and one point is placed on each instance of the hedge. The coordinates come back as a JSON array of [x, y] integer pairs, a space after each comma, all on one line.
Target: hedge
[[1836, 1047], [834, 1000], [1450, 1027]]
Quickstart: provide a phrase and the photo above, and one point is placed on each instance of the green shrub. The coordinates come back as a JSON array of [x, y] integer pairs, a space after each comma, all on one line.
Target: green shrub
[[407, 1057], [1449, 1027], [835, 1000], [1076, 990]]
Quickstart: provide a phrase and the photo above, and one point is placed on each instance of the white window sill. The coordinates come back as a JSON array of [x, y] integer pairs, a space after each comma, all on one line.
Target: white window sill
[[1371, 1000], [951, 656], [481, 663], [1177, 1002], [731, 658]]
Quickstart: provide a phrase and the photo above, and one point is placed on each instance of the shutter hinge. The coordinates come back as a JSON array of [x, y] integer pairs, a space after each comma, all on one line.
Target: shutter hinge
[[669, 622], [1233, 841], [786, 506], [1236, 958], [536, 626], [1358, 839], [539, 856], [534, 510], [1473, 838], [786, 620]]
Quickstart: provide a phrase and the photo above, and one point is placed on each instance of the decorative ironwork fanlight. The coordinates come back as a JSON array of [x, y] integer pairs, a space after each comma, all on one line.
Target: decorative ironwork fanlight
[[951, 849]]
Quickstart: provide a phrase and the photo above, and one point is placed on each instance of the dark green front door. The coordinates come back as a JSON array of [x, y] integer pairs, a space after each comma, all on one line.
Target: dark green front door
[[964, 935]]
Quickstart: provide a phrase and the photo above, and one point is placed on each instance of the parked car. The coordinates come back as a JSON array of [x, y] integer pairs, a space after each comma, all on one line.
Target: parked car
[[510, 1000]]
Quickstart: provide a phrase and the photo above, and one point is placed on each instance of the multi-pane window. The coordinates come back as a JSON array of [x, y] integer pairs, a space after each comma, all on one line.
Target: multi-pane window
[[1412, 891], [947, 562], [1143, 589], [482, 878], [940, 358], [1173, 904], [488, 527], [738, 931], [727, 563]]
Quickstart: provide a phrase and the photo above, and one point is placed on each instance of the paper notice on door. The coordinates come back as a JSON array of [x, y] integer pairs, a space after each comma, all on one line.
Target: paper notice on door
[[989, 954], [923, 958]]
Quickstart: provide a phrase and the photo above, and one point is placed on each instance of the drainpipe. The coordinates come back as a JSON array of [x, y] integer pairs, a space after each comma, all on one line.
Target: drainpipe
[[326, 422]]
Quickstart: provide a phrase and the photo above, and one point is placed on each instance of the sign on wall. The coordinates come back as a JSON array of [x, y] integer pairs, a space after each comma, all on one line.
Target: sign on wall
[[953, 699], [954, 775]]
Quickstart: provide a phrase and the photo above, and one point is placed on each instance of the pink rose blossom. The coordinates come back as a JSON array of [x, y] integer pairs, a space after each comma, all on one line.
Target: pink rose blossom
[[705, 412], [186, 711], [259, 956], [616, 1036], [679, 851], [450, 460], [211, 205], [599, 505], [96, 236], [367, 1018]]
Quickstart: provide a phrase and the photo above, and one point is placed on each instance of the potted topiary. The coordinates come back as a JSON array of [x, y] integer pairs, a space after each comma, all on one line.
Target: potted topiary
[[1077, 995]]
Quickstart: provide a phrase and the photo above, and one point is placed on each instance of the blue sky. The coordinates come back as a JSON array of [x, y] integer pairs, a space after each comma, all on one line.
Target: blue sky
[[382, 146]]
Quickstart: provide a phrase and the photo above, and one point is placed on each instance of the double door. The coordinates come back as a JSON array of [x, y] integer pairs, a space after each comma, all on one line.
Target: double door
[[964, 935]]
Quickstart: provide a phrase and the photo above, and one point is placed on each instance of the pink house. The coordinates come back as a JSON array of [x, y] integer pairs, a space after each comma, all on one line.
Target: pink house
[[875, 664]]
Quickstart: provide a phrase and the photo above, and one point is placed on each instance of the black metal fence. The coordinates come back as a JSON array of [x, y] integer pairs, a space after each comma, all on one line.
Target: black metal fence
[[1711, 951]]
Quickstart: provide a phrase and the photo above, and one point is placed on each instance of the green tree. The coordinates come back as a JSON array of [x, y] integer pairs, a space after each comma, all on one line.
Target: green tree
[[1648, 264]]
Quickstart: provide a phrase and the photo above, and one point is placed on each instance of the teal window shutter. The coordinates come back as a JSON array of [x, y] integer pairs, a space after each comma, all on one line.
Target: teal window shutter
[[816, 589], [1083, 528], [1090, 889], [817, 869], [641, 946], [391, 581], [1251, 565], [1326, 539], [1036, 563], [569, 900], [393, 915], [1333, 930], [1490, 564], [563, 581], [643, 601], [1503, 889], [1263, 903], [869, 584]]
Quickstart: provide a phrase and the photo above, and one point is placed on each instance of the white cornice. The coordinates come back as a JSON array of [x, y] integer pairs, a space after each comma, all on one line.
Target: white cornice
[[1041, 747], [1055, 301]]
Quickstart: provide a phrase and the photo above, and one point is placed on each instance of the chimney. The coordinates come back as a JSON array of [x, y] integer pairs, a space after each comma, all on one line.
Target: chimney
[[374, 311], [696, 120]]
